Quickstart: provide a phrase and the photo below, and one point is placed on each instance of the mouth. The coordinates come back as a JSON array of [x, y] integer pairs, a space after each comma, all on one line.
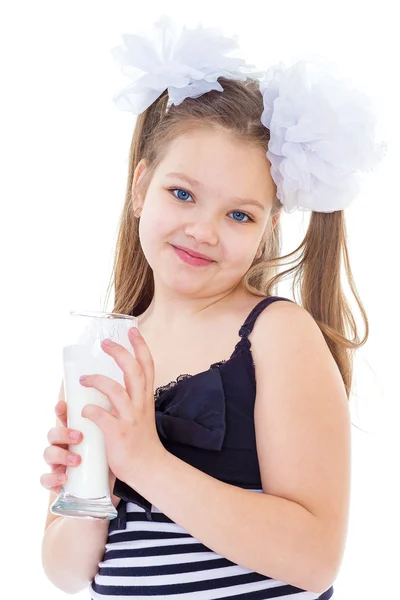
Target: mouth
[[193, 253], [187, 258]]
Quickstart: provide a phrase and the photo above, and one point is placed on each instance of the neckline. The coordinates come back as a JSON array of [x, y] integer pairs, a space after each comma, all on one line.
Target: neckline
[[243, 340], [164, 388], [183, 377]]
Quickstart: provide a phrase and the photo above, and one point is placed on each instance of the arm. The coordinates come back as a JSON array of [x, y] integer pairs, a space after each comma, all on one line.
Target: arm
[[295, 531], [270, 535], [71, 551]]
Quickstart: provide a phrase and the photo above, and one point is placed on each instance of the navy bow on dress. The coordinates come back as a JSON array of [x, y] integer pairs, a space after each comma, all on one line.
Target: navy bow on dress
[[192, 412]]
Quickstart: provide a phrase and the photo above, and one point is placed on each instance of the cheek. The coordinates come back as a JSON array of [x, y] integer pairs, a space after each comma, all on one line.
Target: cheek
[[149, 227], [154, 232], [241, 252]]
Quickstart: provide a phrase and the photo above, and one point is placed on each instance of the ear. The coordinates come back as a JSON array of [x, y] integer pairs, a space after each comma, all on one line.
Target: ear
[[138, 174]]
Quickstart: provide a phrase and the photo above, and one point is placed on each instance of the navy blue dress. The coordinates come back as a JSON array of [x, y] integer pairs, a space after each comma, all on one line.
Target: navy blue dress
[[206, 420]]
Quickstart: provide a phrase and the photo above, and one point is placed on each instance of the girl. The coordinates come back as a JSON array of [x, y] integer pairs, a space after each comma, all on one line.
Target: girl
[[229, 449]]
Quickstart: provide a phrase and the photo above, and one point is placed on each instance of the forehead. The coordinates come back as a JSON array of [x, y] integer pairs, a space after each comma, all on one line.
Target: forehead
[[220, 162]]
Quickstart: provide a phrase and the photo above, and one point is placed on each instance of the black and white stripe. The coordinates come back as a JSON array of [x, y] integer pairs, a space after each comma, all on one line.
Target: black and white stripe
[[161, 560]]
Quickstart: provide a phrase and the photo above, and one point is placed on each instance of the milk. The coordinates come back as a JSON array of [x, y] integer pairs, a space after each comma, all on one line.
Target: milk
[[90, 479]]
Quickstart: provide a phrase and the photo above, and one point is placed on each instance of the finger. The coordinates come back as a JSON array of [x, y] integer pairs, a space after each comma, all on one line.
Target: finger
[[144, 358], [100, 417], [53, 481], [133, 377], [54, 455], [58, 468], [64, 435], [61, 412], [115, 392]]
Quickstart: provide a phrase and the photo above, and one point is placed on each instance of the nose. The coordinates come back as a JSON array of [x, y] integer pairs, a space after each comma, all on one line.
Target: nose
[[203, 230]]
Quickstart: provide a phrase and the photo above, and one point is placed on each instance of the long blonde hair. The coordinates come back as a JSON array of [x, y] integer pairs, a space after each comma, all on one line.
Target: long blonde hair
[[317, 261]]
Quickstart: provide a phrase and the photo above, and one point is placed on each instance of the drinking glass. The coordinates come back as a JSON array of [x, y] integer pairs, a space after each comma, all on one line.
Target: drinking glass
[[86, 493]]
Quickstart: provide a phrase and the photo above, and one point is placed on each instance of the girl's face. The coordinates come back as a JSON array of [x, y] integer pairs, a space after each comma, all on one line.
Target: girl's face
[[211, 217]]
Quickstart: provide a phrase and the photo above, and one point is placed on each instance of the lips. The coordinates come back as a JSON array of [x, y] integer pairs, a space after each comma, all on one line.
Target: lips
[[194, 254], [194, 261]]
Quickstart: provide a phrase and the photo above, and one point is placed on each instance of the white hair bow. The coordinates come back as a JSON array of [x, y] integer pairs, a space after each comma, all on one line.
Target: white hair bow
[[321, 129], [187, 63]]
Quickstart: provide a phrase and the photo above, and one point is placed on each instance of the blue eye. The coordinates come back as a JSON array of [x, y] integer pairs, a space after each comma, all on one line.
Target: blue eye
[[180, 190], [236, 212]]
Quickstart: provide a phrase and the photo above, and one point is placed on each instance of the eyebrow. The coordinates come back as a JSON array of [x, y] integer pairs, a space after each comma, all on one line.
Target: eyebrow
[[195, 183]]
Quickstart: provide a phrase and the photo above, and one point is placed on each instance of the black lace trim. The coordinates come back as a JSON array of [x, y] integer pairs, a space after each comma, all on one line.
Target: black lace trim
[[163, 388]]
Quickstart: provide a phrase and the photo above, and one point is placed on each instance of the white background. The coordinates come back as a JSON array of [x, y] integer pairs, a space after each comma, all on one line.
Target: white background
[[64, 163]]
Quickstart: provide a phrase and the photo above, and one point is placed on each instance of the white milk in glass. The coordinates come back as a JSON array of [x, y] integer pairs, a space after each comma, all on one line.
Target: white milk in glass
[[90, 479]]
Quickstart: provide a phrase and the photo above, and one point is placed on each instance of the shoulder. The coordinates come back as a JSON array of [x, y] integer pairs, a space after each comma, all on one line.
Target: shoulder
[[294, 367], [286, 339], [284, 326]]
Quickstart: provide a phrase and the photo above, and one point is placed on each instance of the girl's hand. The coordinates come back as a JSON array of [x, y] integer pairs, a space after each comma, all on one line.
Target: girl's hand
[[131, 437], [56, 455]]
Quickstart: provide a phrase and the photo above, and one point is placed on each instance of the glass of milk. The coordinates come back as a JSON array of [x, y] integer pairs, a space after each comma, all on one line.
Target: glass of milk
[[86, 492]]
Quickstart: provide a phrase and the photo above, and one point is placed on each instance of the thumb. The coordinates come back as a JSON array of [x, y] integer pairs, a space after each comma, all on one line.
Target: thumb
[[61, 412]]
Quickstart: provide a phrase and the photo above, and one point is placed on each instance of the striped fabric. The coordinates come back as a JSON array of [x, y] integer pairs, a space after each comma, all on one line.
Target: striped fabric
[[161, 560]]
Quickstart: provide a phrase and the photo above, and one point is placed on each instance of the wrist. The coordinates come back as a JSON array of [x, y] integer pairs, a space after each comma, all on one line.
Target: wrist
[[154, 462]]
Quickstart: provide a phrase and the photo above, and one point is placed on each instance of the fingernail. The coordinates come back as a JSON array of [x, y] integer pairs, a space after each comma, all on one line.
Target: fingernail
[[73, 458], [61, 478], [135, 332], [108, 342], [73, 435]]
